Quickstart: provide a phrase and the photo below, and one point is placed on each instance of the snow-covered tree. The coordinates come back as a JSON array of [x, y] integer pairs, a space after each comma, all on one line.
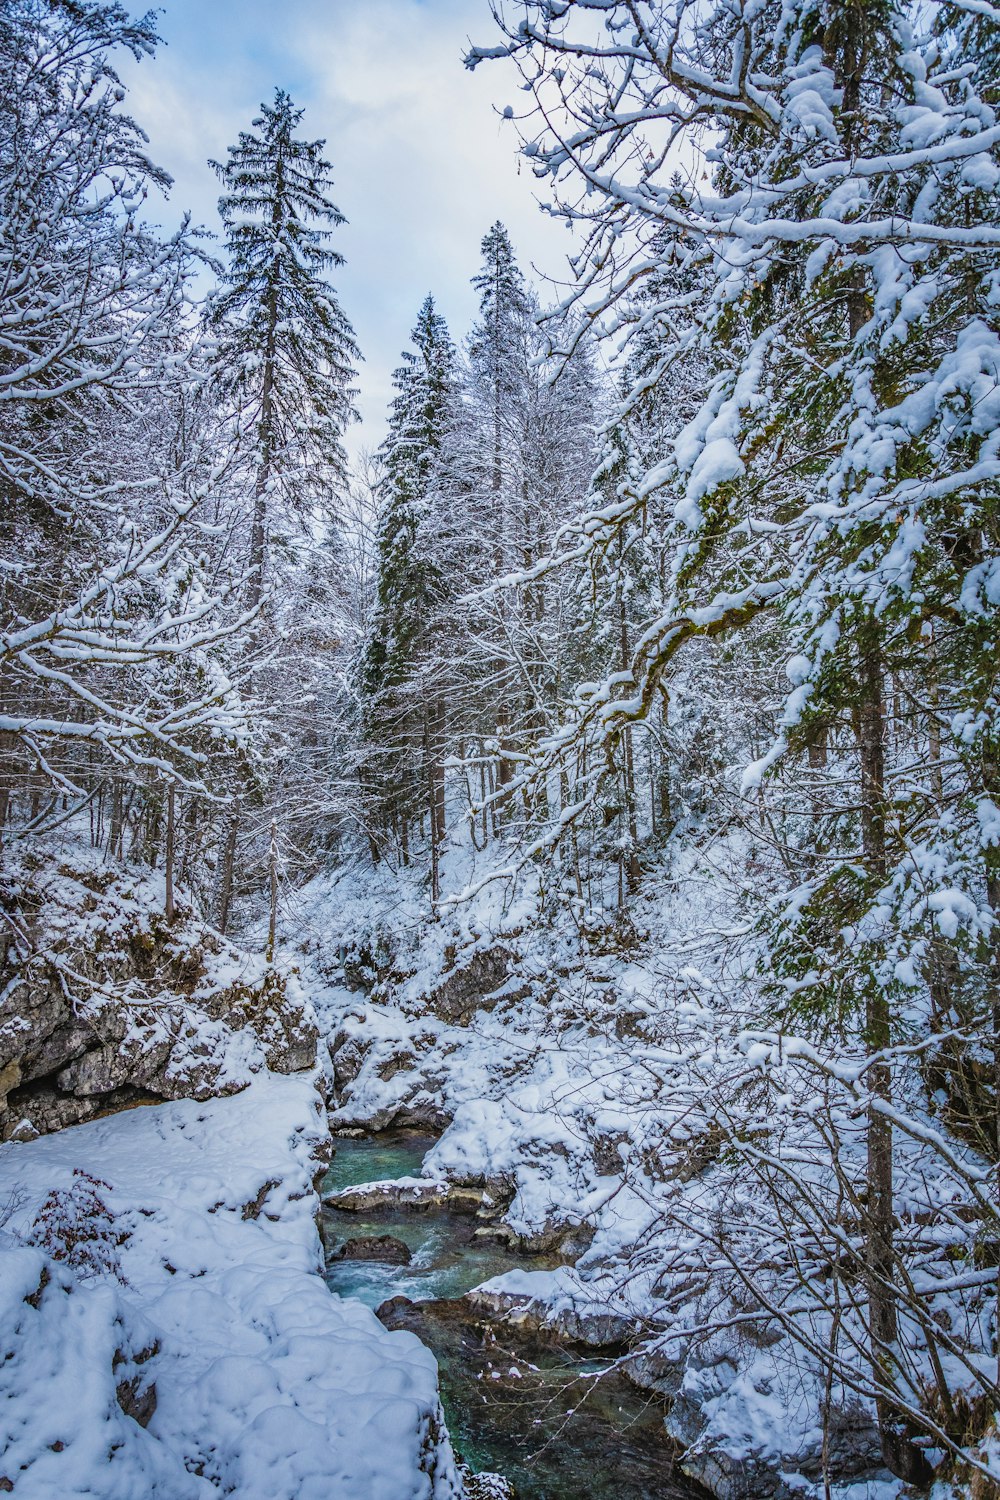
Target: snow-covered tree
[[529, 457], [105, 591], [286, 351], [404, 667], [839, 477]]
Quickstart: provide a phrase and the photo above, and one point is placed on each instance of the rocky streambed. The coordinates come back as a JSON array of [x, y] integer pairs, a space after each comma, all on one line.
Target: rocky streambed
[[555, 1422]]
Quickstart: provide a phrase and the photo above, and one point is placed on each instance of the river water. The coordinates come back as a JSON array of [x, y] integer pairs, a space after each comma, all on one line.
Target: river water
[[557, 1426]]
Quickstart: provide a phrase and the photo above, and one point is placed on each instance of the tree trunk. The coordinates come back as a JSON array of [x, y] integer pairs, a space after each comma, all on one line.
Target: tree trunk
[[934, 720], [258, 530], [431, 780], [272, 872], [168, 863], [115, 829], [898, 1451], [226, 868], [991, 784]]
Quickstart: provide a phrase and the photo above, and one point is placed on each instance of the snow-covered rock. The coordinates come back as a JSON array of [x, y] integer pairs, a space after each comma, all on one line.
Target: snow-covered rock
[[166, 1329], [399, 1192], [103, 1003]]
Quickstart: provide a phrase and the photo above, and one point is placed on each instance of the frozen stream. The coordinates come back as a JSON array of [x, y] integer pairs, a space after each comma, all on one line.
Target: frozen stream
[[540, 1416]]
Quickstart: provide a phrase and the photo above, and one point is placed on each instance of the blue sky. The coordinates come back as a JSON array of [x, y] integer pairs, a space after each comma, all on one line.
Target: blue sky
[[422, 163]]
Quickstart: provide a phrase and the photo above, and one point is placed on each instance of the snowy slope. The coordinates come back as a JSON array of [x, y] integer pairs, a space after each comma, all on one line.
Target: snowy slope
[[165, 1260]]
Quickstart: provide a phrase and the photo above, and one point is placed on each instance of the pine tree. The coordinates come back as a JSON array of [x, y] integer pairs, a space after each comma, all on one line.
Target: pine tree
[[402, 671], [285, 348]]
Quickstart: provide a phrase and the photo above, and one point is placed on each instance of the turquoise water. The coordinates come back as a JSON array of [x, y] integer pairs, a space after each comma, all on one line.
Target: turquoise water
[[394, 1153], [537, 1415], [448, 1259]]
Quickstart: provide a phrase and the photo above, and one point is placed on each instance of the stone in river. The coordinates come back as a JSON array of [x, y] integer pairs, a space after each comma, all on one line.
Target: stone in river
[[374, 1247]]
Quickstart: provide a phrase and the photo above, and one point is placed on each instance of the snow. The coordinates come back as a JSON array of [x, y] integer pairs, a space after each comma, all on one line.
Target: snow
[[593, 1098], [205, 1284]]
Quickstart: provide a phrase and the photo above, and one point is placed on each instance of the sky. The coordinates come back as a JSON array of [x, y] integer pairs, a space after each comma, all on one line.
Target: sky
[[422, 162]]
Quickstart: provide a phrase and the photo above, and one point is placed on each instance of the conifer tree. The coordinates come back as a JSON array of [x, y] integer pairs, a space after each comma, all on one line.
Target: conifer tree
[[840, 476], [402, 669], [498, 350], [530, 463], [498, 358], [285, 347]]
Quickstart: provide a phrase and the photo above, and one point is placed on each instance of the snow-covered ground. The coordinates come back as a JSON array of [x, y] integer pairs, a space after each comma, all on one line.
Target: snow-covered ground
[[165, 1329]]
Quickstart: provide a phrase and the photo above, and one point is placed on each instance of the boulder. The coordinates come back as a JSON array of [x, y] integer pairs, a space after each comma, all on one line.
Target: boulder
[[384, 1247], [416, 1193], [588, 1328]]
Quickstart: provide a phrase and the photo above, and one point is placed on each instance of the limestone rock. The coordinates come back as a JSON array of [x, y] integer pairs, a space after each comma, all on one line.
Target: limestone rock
[[585, 1327], [383, 1247], [415, 1193], [106, 1005], [480, 984]]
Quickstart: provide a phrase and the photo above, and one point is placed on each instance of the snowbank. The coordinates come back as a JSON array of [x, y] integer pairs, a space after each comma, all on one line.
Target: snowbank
[[167, 1333]]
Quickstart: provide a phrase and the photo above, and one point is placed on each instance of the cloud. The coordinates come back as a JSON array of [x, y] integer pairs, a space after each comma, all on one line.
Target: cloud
[[422, 162]]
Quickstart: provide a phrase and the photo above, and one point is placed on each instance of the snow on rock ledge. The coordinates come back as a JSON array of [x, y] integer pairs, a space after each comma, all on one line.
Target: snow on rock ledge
[[103, 1003], [166, 1331]]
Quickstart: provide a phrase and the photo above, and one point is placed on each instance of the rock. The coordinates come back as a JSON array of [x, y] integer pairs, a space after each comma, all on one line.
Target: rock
[[731, 1478], [465, 1200], [415, 1193], [567, 1241], [479, 985], [135, 1388], [384, 1247], [420, 1112], [402, 1060], [273, 1010], [107, 1005], [254, 1208], [348, 1053], [854, 1451], [583, 1328]]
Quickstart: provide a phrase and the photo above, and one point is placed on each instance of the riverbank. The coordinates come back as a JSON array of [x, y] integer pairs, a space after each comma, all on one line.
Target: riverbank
[[167, 1330], [585, 1084]]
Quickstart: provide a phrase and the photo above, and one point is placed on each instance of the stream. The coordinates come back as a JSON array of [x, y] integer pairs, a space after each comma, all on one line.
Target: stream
[[544, 1417]]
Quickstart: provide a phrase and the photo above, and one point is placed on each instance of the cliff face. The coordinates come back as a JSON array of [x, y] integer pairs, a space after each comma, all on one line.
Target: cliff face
[[104, 1004]]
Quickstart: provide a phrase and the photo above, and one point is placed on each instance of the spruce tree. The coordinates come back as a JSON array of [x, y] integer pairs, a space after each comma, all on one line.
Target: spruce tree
[[402, 668], [498, 352], [498, 357], [409, 573], [285, 347], [530, 465]]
